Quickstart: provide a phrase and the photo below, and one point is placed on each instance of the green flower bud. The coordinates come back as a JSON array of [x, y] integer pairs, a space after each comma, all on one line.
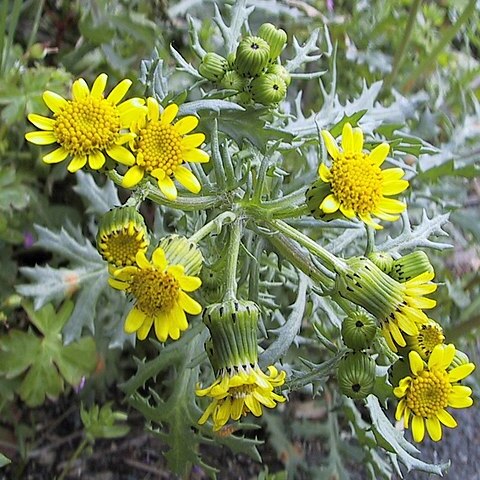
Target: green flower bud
[[182, 251], [275, 37], [268, 89], [213, 67], [358, 330], [410, 266], [121, 235], [233, 329], [244, 99], [400, 369], [233, 81], [356, 375], [252, 56], [459, 359], [383, 260], [281, 71], [231, 57]]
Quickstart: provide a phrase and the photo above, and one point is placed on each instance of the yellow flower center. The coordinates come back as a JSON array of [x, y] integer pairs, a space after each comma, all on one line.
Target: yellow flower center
[[120, 248], [429, 336], [155, 291], [428, 393], [356, 183], [159, 146], [86, 125]]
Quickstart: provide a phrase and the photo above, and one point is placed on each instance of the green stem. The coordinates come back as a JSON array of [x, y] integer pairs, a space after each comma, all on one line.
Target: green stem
[[75, 455], [402, 47], [331, 261], [446, 38], [370, 240], [216, 224], [217, 157], [187, 204], [291, 212], [236, 231], [36, 22]]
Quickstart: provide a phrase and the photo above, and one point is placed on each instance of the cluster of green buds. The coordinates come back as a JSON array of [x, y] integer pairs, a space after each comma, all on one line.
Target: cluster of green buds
[[404, 268], [356, 370], [254, 70]]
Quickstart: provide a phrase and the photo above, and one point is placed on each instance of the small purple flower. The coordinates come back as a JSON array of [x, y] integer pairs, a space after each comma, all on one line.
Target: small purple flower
[[28, 239], [80, 386], [330, 5]]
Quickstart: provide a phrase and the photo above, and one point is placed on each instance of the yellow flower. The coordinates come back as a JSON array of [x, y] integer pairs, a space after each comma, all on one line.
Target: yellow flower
[[359, 187], [408, 315], [159, 290], [121, 235], [431, 389], [429, 335], [240, 390], [161, 147], [88, 125]]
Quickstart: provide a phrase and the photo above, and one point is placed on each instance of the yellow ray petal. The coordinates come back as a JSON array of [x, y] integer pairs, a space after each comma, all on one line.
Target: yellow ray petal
[[117, 94], [41, 138], [133, 176], [159, 259], [390, 205], [42, 122], [434, 428], [418, 428], [394, 187], [77, 163], [153, 109], [330, 204], [192, 141], [189, 304], [391, 174], [347, 138], [189, 284], [324, 173], [55, 156], [446, 418], [357, 140], [168, 188], [144, 329], [96, 160], [348, 212], [162, 326], [459, 373], [99, 86], [180, 318], [367, 219], [379, 154], [397, 334], [169, 114], [142, 261], [459, 402], [331, 144], [80, 89], [187, 179], [186, 125], [121, 155], [416, 363], [134, 320], [54, 101], [117, 284], [195, 155]]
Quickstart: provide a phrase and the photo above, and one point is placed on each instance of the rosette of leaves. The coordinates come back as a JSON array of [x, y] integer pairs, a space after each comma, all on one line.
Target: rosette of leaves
[[42, 361]]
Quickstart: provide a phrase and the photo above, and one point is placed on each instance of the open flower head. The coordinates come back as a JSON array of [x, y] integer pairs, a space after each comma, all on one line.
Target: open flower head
[[359, 187], [88, 126], [161, 147], [429, 335], [240, 390], [160, 296], [430, 390]]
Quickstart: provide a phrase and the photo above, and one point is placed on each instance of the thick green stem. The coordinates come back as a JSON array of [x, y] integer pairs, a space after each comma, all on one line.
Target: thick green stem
[[330, 261], [217, 157], [429, 60], [216, 224], [402, 47], [370, 240], [236, 231]]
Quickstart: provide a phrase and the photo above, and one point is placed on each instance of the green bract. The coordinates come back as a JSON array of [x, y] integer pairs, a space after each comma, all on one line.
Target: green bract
[[358, 330], [252, 56], [356, 375]]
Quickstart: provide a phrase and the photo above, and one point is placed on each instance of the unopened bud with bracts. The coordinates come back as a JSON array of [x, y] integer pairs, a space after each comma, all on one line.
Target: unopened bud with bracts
[[383, 260], [121, 235], [233, 330], [430, 334], [358, 330], [356, 375], [398, 306], [252, 56], [231, 57], [182, 251], [410, 266], [233, 81], [459, 359], [268, 89], [213, 67], [281, 71], [275, 37]]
